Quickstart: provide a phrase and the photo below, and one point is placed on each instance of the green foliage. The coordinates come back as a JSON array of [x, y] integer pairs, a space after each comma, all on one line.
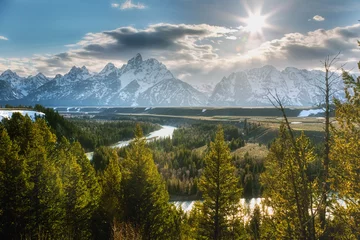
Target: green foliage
[[91, 133], [345, 156], [52, 190], [249, 172], [181, 159], [221, 192], [109, 212], [255, 224], [145, 201], [288, 189], [13, 187]]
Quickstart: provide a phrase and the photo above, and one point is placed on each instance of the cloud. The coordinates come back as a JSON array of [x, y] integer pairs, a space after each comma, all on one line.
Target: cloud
[[174, 44], [318, 18], [195, 52], [168, 39], [307, 50], [3, 38], [128, 4], [231, 38]]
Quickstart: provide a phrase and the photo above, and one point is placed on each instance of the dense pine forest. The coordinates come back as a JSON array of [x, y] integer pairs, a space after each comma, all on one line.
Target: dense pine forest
[[50, 190]]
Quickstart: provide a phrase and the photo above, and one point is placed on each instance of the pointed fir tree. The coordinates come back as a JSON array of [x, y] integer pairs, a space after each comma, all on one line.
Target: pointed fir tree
[[220, 189], [13, 189], [81, 191], [288, 189], [145, 201], [109, 212]]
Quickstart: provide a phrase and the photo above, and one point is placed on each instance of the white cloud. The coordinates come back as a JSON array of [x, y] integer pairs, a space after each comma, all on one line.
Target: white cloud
[[231, 38], [115, 5], [128, 4], [318, 18], [3, 38], [192, 52]]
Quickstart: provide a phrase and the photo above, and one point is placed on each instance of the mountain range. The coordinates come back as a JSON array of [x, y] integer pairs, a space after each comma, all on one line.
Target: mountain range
[[149, 83]]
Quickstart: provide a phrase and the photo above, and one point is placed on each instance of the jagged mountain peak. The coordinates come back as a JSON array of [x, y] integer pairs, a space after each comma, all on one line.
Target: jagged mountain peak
[[58, 76], [9, 74], [40, 75], [84, 69], [135, 61], [265, 68], [78, 70], [251, 87], [109, 68], [75, 72]]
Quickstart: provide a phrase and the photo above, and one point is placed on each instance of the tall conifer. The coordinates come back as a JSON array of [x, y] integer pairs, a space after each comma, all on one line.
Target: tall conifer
[[221, 191]]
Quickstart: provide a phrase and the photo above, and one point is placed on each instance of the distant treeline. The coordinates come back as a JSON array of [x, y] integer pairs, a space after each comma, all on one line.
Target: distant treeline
[[91, 133]]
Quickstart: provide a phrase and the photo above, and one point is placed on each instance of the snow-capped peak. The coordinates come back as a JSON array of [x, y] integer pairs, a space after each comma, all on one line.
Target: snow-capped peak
[[58, 76], [109, 68], [40, 75], [135, 61], [84, 69], [8, 74], [75, 71]]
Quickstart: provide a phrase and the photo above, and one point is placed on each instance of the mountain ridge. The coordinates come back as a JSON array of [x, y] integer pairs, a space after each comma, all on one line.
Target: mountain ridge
[[149, 83]]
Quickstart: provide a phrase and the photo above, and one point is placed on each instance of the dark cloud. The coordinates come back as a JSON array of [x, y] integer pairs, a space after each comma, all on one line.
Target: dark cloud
[[338, 44], [302, 53], [350, 32], [158, 37]]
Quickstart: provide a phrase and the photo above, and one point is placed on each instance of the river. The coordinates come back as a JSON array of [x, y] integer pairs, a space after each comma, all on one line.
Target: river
[[163, 132], [247, 205]]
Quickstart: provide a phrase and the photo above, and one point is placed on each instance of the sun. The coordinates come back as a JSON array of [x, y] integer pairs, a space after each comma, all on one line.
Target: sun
[[255, 23]]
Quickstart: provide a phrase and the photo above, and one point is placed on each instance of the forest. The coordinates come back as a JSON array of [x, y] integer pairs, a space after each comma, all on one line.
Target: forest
[[50, 190]]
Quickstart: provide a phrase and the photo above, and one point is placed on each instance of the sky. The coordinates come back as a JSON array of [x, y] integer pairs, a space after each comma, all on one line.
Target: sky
[[200, 41]]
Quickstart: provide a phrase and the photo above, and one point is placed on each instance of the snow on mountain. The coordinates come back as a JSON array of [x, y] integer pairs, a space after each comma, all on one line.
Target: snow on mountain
[[172, 92], [205, 88], [7, 93], [74, 75], [10, 77], [146, 73], [295, 87], [111, 86], [149, 83], [23, 86]]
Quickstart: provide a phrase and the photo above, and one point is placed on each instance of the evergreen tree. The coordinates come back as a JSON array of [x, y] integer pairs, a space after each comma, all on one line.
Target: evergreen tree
[[13, 189], [81, 191], [220, 188], [45, 194], [345, 158], [110, 211], [145, 202], [255, 223], [288, 190]]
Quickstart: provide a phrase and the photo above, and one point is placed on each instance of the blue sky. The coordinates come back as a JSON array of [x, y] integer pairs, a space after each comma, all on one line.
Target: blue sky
[[51, 35]]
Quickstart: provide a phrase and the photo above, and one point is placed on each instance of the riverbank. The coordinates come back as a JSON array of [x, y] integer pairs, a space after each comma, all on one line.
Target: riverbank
[[163, 132]]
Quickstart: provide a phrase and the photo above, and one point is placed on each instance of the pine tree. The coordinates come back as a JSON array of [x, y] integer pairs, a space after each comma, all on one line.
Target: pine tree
[[110, 211], [41, 198], [345, 158], [288, 190], [145, 202], [46, 188], [13, 187], [220, 188], [81, 190]]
